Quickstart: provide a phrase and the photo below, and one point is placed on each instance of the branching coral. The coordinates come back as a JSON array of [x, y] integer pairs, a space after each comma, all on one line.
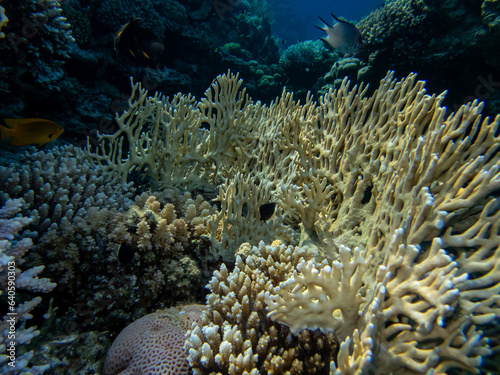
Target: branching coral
[[237, 338], [12, 280], [413, 190], [239, 220], [178, 142], [168, 240], [38, 41], [400, 308], [68, 201]]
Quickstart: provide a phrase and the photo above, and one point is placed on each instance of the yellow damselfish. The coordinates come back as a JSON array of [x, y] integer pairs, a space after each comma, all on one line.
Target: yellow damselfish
[[30, 131]]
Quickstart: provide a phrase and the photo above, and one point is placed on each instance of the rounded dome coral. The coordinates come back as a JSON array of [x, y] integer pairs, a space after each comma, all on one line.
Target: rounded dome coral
[[153, 344]]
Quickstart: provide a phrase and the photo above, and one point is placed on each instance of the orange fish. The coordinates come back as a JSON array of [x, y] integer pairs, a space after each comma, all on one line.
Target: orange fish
[[30, 131]]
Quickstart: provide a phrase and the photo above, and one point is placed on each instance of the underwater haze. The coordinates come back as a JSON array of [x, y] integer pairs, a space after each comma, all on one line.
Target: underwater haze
[[304, 13]]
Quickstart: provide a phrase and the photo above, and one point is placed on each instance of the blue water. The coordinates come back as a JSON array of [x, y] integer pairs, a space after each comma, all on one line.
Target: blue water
[[297, 24]]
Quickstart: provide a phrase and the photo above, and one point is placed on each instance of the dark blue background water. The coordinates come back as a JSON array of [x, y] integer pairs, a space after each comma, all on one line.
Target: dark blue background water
[[294, 20]]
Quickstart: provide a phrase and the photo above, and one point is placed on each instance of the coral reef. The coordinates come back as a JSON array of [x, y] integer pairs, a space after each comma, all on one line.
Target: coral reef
[[14, 334], [450, 44], [156, 16], [154, 248], [153, 343], [390, 174], [383, 251], [68, 201], [393, 19], [352, 68], [38, 42], [239, 220], [389, 316], [179, 142], [75, 78], [305, 62]]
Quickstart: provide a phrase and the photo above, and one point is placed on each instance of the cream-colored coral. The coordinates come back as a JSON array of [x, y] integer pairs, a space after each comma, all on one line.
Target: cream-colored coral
[[414, 188], [168, 247], [239, 220], [236, 337], [417, 298], [167, 139]]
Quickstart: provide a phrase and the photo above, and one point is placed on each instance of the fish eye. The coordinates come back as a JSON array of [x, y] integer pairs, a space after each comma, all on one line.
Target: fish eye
[[50, 135]]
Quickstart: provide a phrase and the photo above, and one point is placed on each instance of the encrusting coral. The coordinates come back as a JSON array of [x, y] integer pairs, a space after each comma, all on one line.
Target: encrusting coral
[[389, 185]]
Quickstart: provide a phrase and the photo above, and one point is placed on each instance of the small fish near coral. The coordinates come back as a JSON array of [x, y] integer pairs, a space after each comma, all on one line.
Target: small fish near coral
[[266, 211], [343, 36], [137, 42], [30, 131]]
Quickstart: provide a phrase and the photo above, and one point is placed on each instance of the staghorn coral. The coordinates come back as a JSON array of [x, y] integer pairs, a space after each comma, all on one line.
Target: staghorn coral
[[235, 336], [391, 174], [153, 343], [13, 332]]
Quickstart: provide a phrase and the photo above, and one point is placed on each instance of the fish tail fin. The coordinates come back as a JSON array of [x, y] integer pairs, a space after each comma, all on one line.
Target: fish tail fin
[[322, 20], [5, 132]]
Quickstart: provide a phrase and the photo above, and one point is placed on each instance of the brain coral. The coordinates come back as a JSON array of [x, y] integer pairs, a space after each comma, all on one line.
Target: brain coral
[[153, 344]]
